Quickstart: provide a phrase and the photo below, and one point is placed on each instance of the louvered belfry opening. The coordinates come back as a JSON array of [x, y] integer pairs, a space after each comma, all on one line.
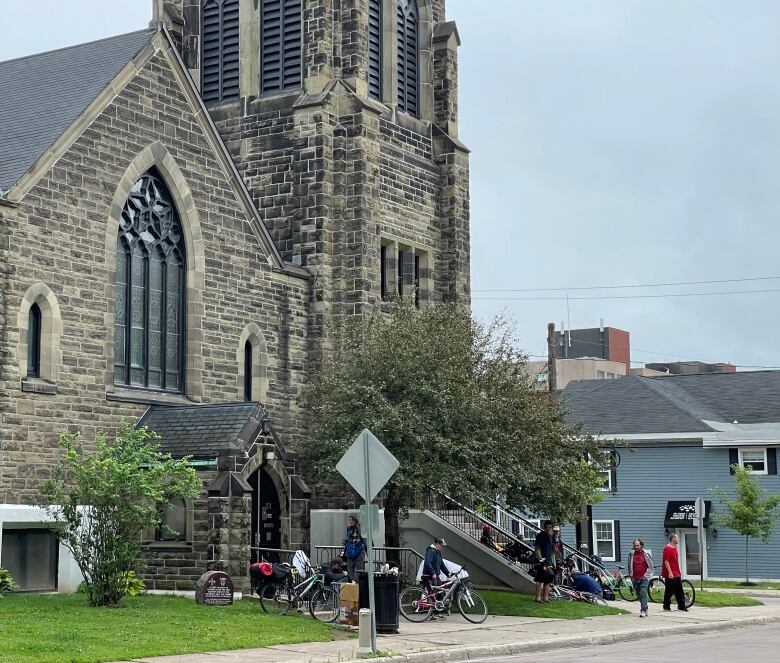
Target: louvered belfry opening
[[375, 49], [219, 64], [281, 46], [407, 21]]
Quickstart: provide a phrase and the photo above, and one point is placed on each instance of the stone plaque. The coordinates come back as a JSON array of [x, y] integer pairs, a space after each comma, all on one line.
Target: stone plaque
[[214, 588]]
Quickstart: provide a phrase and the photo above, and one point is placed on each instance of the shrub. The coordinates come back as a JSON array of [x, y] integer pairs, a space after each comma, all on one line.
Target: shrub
[[7, 583]]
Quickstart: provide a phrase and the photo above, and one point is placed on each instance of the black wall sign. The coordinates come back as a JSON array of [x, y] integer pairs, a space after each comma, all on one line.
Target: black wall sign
[[682, 513]]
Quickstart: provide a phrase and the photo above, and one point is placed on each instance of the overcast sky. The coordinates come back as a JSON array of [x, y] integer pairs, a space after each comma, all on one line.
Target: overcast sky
[[613, 142]]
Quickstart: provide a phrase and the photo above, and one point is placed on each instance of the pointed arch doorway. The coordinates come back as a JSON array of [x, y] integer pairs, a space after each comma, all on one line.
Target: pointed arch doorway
[[266, 510]]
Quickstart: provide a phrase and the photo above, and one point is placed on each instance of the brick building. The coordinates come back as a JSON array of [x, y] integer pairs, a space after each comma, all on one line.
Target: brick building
[[185, 213]]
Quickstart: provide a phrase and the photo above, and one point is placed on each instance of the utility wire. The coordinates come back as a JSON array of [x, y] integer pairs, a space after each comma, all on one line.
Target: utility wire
[[636, 285], [674, 294]]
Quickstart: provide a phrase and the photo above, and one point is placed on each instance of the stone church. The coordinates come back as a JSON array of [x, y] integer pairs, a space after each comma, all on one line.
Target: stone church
[[185, 213]]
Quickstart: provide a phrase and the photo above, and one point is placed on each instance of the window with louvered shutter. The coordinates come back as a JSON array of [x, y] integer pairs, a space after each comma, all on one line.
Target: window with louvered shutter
[[375, 49], [407, 20], [219, 58], [281, 48]]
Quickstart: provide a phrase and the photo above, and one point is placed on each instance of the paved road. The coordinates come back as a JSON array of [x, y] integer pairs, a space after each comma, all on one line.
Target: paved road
[[758, 644]]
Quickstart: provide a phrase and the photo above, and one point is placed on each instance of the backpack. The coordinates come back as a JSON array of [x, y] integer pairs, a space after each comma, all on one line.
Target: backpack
[[261, 573], [354, 548]]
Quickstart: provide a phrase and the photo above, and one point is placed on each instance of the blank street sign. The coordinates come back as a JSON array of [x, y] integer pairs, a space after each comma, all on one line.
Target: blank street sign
[[380, 462]]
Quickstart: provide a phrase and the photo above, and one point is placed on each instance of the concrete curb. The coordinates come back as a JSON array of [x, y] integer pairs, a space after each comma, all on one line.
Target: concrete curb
[[548, 644]]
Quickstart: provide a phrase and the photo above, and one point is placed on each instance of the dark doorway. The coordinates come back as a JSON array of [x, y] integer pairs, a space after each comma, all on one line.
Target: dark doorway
[[266, 513]]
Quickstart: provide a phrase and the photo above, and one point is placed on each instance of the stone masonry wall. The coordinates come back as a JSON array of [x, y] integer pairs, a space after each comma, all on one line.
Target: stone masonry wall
[[58, 236]]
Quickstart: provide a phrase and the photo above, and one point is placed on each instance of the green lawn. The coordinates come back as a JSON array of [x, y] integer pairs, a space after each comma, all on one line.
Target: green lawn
[[723, 600], [732, 584], [51, 628], [521, 605]]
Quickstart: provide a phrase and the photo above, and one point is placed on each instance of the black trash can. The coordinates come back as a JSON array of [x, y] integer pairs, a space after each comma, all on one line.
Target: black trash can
[[385, 599]]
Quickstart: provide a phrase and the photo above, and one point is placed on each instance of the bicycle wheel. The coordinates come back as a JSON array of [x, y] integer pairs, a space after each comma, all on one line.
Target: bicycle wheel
[[415, 605], [626, 591], [690, 593], [595, 599], [558, 593], [656, 589], [275, 599], [324, 605], [472, 606]]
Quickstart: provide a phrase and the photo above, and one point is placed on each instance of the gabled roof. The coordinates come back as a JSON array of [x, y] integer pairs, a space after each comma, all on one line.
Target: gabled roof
[[204, 430], [103, 68], [43, 94], [673, 403]]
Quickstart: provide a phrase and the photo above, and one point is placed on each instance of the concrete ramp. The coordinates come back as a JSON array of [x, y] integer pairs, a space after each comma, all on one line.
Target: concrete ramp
[[486, 567]]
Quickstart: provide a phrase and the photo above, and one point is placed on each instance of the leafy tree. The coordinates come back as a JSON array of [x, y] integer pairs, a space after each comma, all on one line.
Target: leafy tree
[[453, 401], [103, 500], [752, 514]]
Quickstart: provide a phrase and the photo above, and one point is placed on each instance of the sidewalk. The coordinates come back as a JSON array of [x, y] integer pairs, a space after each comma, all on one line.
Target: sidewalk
[[454, 639]]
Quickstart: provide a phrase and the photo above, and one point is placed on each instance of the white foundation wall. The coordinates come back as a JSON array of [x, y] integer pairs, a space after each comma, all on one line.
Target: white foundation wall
[[20, 516]]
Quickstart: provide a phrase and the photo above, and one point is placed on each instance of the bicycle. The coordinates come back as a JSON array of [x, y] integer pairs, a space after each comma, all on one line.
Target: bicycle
[[322, 601], [618, 583], [657, 588], [417, 604], [564, 593]]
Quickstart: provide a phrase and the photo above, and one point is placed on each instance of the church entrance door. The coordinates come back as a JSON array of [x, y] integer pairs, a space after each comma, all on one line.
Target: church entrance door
[[266, 512]]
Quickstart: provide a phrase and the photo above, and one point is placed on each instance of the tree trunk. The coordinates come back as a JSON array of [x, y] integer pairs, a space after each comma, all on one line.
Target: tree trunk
[[392, 524], [747, 577]]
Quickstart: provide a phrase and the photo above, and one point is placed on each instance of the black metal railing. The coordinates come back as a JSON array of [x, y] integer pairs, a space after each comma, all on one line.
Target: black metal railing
[[274, 555], [407, 559], [505, 515], [502, 542]]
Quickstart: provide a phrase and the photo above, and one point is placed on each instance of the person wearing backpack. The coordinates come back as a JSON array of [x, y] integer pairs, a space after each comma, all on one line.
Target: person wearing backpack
[[354, 548]]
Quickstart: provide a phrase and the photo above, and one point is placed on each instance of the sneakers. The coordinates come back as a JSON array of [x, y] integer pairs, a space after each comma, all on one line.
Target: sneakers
[[643, 613], [667, 609], [682, 609]]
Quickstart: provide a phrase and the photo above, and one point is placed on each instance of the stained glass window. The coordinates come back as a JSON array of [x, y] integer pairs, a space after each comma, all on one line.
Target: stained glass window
[[149, 319]]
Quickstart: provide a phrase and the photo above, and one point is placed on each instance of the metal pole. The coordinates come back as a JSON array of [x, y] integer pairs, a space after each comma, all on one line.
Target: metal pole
[[370, 546], [700, 516]]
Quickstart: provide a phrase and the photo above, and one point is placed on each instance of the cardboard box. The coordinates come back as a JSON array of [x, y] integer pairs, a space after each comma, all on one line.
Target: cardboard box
[[349, 604]]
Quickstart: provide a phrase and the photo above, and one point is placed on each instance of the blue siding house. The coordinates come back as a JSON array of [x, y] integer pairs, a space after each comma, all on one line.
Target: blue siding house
[[684, 433]]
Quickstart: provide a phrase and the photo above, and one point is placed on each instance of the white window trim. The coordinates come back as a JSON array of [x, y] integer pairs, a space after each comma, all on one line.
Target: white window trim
[[607, 487], [611, 523], [766, 460], [530, 521]]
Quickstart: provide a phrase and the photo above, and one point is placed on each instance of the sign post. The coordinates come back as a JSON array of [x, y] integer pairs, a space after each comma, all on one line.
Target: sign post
[[367, 466], [700, 515]]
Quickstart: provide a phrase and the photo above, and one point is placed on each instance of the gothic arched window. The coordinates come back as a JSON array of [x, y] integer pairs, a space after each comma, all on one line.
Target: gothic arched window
[[150, 275], [248, 370], [375, 49], [219, 59], [34, 325], [407, 20], [281, 50]]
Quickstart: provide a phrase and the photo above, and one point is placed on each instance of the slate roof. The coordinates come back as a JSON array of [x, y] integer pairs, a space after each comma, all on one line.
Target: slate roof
[[203, 431], [673, 403], [43, 94]]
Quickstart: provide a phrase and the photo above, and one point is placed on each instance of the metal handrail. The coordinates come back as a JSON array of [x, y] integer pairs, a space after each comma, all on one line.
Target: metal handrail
[[585, 562], [276, 555], [408, 559], [510, 546]]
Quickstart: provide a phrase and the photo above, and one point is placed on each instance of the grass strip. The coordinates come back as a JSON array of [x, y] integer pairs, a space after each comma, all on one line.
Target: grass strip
[[511, 604], [54, 628]]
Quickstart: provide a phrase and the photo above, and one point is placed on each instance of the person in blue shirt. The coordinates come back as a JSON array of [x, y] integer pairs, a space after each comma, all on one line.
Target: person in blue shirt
[[582, 582], [434, 565]]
